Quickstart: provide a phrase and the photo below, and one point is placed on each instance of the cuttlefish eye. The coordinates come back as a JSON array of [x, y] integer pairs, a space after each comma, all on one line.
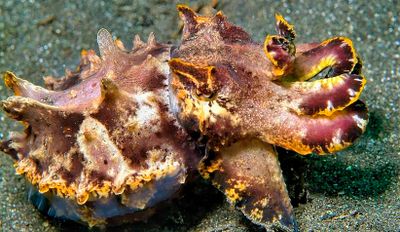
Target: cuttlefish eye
[[204, 96]]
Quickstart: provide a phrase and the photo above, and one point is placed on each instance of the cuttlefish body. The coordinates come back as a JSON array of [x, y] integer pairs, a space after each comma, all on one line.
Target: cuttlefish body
[[126, 130]]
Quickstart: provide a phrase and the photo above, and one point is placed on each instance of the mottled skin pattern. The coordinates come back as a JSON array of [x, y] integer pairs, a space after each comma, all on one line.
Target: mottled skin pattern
[[123, 132], [242, 97], [101, 132]]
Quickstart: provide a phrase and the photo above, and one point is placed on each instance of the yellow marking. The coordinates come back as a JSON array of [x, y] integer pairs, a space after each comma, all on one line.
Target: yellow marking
[[294, 144], [263, 202], [197, 18], [325, 62], [280, 19], [119, 44], [205, 171], [208, 69], [277, 71], [329, 60], [232, 195], [327, 85], [346, 41], [203, 111], [303, 149], [82, 198], [220, 14], [188, 76], [256, 214], [11, 81], [84, 52], [267, 53], [240, 185], [135, 183], [43, 187], [104, 190]]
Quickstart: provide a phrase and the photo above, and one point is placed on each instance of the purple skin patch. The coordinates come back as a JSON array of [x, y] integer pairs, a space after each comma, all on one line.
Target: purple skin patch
[[344, 90], [344, 127], [280, 50], [337, 53]]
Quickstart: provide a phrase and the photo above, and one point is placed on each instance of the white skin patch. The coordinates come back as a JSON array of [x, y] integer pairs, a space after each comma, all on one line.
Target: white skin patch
[[338, 137], [330, 105], [119, 169], [351, 92], [361, 123], [147, 110]]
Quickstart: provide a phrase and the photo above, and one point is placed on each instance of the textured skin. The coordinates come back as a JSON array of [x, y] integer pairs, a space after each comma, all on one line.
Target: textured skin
[[102, 131], [243, 91], [123, 132], [242, 96]]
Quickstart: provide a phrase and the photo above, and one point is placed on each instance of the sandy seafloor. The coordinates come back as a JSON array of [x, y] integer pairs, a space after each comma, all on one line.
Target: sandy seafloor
[[354, 190]]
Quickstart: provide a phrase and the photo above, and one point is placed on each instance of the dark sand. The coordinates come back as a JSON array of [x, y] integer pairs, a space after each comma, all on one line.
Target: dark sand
[[355, 190]]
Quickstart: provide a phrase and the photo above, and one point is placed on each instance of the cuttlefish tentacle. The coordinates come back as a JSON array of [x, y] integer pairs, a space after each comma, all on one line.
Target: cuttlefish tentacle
[[248, 173], [281, 52], [325, 96], [320, 134], [336, 53], [342, 85], [340, 88], [284, 28], [280, 49]]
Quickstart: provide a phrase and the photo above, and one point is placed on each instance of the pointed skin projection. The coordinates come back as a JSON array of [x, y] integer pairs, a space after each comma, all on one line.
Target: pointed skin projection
[[97, 143], [243, 97]]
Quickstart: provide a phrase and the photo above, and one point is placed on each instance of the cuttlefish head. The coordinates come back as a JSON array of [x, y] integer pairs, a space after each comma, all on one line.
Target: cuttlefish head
[[227, 87]]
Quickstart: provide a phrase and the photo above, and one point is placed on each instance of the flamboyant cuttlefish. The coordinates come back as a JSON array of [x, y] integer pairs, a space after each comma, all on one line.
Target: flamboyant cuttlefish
[[126, 130]]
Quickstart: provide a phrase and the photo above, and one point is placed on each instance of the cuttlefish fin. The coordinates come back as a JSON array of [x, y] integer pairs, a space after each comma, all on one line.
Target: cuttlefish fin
[[249, 175]]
